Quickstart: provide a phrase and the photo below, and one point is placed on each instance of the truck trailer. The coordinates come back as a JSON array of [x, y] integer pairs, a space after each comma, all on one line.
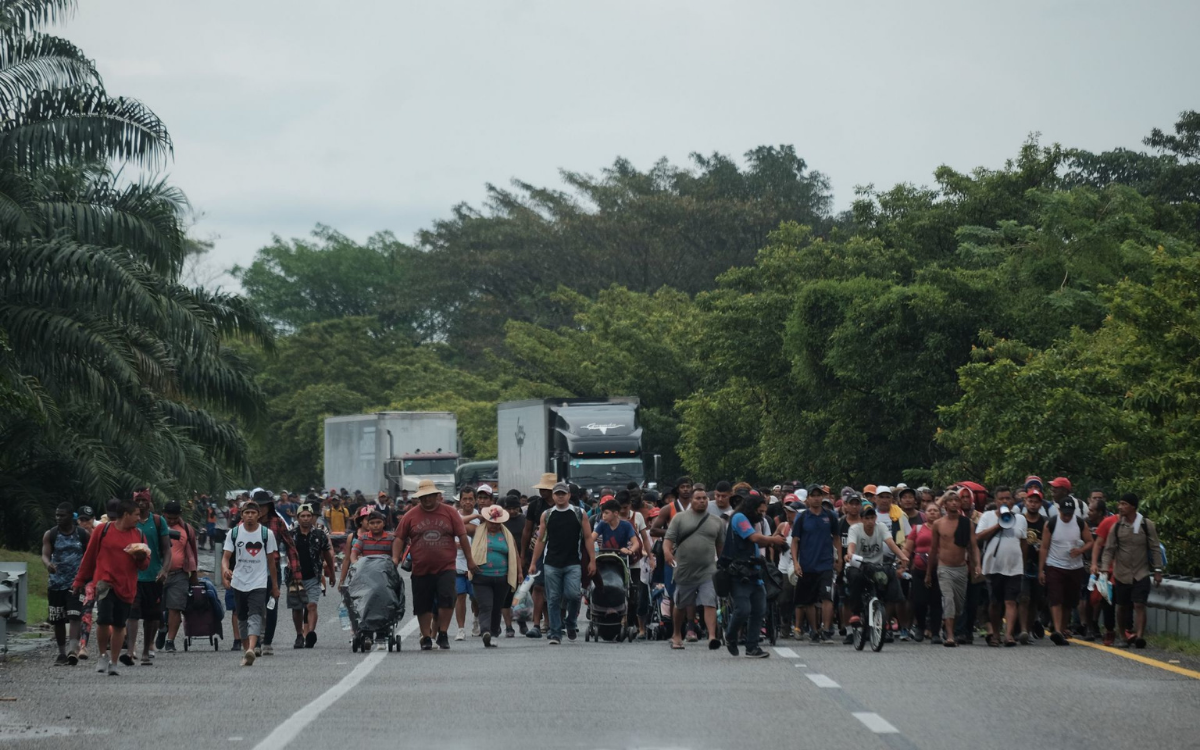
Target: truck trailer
[[391, 450]]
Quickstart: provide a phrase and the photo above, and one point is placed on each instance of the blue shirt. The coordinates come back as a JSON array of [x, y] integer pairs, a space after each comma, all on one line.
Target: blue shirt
[[615, 539], [737, 546], [815, 533]]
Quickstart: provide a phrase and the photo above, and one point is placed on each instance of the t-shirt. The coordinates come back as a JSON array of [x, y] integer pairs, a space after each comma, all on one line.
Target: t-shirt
[[738, 545], [368, 544], [1102, 532], [515, 525], [106, 560], [615, 539], [696, 558], [460, 558], [869, 548], [432, 535], [815, 532], [844, 525], [496, 565], [250, 555], [639, 525], [336, 519], [310, 550], [181, 549], [1033, 538], [1002, 552], [155, 528]]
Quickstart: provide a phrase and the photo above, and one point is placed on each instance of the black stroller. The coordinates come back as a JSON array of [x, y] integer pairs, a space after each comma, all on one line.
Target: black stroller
[[608, 601], [376, 598]]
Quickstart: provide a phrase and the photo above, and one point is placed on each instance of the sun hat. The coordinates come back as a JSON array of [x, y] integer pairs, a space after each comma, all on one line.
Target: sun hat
[[547, 482], [364, 511], [494, 514], [426, 487]]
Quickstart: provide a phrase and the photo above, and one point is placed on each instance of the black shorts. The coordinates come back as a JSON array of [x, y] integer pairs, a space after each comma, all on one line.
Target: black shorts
[[64, 606], [812, 588], [112, 611], [1128, 594], [1004, 588], [428, 589], [149, 602]]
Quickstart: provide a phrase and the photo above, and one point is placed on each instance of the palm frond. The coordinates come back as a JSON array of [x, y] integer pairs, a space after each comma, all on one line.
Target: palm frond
[[30, 15], [31, 62]]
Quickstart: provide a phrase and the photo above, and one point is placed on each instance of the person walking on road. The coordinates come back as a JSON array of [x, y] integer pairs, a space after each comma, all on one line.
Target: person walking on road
[[148, 605], [185, 561], [250, 566], [741, 551], [315, 555], [115, 555], [691, 547], [1133, 551], [495, 552], [1003, 532], [1065, 543], [533, 519], [62, 552], [432, 531], [954, 558], [816, 550], [562, 548], [269, 517]]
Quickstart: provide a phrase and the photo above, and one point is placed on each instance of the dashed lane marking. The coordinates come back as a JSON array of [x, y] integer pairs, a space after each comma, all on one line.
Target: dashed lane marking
[[784, 652], [1139, 658], [822, 681], [875, 722]]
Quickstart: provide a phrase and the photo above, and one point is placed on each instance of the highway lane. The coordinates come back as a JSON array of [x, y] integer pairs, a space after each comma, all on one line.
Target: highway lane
[[527, 694]]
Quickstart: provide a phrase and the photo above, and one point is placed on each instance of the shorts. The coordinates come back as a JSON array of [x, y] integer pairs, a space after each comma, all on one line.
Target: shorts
[[112, 611], [695, 595], [435, 587], [230, 601], [815, 587], [1062, 586], [210, 529], [312, 590], [149, 602], [251, 611], [176, 591], [462, 585], [1004, 588], [64, 606], [1128, 594]]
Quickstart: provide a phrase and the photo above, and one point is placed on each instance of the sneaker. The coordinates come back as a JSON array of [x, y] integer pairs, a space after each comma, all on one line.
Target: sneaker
[[160, 639], [755, 653], [1109, 638], [72, 659], [848, 640], [152, 653], [310, 640], [125, 659], [534, 632], [827, 635], [258, 650], [61, 661], [904, 634], [169, 647], [888, 637], [1058, 639], [102, 664], [523, 627], [249, 657], [731, 645], [475, 629], [237, 645], [487, 640], [443, 640], [510, 633], [1023, 638], [917, 636], [815, 637], [797, 634], [572, 634], [461, 635], [112, 670], [299, 642], [554, 641], [1139, 642], [426, 643], [268, 650], [935, 640]]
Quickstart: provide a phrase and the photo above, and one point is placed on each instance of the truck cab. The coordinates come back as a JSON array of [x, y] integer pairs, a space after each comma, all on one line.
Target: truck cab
[[407, 471]]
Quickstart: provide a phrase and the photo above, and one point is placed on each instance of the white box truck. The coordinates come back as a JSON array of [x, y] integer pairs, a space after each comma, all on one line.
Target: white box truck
[[391, 450], [591, 442]]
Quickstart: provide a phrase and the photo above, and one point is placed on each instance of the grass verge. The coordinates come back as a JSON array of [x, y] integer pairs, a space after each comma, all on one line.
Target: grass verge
[[38, 610], [1175, 644]]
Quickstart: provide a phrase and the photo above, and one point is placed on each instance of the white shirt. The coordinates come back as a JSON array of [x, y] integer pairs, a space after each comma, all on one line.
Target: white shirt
[[1066, 537], [250, 557], [1002, 553]]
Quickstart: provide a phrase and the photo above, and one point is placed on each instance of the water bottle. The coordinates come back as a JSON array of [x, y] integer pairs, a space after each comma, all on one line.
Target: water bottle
[[271, 602], [344, 616], [1091, 583]]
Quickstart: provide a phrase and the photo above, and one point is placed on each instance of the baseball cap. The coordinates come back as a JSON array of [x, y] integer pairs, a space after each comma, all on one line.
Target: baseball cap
[[777, 488], [868, 510], [85, 512], [484, 489], [561, 487], [250, 503], [869, 489], [305, 508], [173, 508], [854, 497], [883, 489], [816, 489], [1067, 506], [790, 498], [1061, 483], [1033, 479], [1035, 491]]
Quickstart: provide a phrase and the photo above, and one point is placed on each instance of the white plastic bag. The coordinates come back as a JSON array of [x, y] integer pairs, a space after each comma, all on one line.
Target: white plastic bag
[[522, 606]]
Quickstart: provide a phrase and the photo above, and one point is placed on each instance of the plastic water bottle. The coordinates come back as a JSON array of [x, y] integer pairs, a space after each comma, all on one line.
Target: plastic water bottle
[[271, 602], [344, 616], [1091, 583]]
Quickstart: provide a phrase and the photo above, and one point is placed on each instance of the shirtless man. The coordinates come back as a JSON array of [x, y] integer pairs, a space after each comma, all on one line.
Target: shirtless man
[[952, 549]]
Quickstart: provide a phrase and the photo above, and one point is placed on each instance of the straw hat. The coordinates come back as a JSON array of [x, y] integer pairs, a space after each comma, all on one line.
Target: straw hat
[[426, 487], [494, 514], [547, 483]]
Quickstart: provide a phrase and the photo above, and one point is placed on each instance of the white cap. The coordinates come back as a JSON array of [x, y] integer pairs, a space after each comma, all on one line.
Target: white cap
[[484, 488], [882, 489]]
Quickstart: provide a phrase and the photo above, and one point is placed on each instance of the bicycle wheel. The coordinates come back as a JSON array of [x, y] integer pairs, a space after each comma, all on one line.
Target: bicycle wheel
[[877, 625]]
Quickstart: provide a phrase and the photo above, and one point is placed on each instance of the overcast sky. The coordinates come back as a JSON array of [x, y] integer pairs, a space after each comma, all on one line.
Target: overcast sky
[[382, 114]]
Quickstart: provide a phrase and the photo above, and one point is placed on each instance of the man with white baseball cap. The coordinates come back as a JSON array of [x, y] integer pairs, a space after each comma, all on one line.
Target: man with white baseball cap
[[563, 543]]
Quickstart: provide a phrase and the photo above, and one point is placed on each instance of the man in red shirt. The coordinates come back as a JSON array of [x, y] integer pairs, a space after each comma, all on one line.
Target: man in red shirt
[[112, 562], [429, 531]]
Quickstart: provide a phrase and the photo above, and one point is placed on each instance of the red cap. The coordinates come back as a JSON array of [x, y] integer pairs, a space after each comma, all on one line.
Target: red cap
[[1034, 491], [1061, 482]]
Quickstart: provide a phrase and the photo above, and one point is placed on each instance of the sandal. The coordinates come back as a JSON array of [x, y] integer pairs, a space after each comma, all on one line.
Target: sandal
[[950, 644], [1009, 643], [676, 646], [993, 641]]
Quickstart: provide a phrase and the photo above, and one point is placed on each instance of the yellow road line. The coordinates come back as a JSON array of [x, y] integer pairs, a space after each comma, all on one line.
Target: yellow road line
[[1139, 658]]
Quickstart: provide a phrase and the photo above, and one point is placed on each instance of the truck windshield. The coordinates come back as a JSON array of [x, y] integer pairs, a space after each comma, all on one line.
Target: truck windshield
[[607, 469], [422, 466]]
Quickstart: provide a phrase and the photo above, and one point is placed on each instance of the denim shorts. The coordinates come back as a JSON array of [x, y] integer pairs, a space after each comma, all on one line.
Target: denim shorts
[[462, 585]]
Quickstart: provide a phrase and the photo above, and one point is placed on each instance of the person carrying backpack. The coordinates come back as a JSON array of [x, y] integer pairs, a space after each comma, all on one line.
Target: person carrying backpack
[[250, 566], [560, 539], [62, 552], [1065, 542], [1134, 552]]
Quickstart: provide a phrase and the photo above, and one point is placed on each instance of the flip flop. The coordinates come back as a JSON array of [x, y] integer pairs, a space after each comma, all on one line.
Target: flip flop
[[950, 644], [676, 646]]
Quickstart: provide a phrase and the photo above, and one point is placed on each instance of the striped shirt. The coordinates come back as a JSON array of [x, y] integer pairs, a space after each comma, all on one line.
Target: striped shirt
[[368, 544]]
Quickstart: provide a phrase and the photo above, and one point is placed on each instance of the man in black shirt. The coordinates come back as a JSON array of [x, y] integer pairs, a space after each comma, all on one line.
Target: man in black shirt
[[314, 553], [561, 534]]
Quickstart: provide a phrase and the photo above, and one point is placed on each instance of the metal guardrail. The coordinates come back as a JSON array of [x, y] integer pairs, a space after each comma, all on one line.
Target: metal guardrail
[[14, 593], [1174, 607]]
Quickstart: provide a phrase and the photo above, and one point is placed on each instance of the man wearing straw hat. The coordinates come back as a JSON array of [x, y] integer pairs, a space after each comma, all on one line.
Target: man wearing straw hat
[[533, 517], [432, 531]]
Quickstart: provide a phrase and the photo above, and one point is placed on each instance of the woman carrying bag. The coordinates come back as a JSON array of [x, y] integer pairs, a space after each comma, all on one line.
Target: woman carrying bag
[[496, 553]]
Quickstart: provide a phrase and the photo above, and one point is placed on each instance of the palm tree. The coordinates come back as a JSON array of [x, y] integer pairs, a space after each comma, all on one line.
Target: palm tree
[[112, 373]]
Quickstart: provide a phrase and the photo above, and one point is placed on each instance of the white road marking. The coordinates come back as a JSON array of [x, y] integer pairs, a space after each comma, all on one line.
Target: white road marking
[[876, 723], [822, 681], [801, 666], [294, 724], [784, 652]]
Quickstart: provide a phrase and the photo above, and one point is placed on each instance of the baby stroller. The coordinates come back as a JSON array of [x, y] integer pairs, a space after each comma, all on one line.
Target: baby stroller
[[659, 623], [608, 600], [376, 600]]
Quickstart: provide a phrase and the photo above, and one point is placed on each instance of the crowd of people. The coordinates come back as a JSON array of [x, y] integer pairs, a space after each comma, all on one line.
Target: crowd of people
[[729, 566]]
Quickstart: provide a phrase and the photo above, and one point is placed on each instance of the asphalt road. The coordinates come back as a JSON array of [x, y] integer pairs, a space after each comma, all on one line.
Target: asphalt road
[[527, 694]]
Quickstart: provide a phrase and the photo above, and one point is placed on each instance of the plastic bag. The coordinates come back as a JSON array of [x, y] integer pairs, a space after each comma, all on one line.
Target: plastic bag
[[525, 587], [1104, 586], [522, 606]]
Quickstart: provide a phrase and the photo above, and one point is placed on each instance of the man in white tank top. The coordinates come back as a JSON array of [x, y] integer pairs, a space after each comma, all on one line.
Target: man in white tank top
[[1066, 543]]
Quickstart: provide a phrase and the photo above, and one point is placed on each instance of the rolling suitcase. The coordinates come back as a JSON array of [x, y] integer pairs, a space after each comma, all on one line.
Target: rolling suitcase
[[201, 620]]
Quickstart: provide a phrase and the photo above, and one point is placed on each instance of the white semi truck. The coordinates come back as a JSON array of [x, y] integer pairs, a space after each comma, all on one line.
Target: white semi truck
[[391, 450]]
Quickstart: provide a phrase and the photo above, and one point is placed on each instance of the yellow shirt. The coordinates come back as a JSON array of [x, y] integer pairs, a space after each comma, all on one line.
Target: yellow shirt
[[335, 519]]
